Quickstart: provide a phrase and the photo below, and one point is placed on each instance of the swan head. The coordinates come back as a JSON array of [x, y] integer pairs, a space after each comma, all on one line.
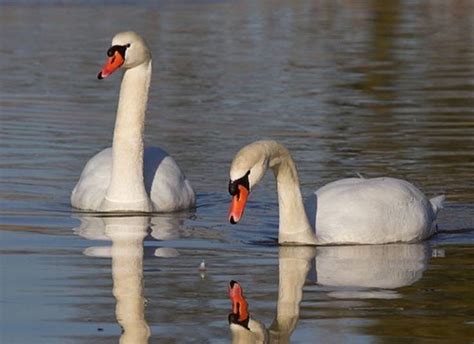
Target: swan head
[[128, 50], [246, 171], [243, 328]]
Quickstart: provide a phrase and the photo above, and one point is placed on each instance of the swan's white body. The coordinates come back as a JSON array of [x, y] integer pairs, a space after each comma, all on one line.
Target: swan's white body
[[127, 177], [348, 211], [372, 211], [166, 187]]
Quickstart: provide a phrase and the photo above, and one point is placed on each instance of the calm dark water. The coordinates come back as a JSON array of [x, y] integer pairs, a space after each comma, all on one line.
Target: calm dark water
[[378, 88]]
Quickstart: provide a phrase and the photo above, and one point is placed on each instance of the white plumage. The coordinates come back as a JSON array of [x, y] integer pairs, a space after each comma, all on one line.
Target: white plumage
[[348, 211], [127, 176], [166, 185]]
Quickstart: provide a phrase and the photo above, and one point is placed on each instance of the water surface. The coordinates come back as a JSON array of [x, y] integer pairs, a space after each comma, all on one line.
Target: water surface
[[352, 87]]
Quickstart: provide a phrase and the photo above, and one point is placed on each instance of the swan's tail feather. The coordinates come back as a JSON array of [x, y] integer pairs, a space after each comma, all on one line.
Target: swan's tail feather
[[437, 203]]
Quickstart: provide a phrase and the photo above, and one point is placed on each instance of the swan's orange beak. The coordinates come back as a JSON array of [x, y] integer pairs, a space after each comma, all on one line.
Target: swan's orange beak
[[238, 203], [239, 304], [113, 63]]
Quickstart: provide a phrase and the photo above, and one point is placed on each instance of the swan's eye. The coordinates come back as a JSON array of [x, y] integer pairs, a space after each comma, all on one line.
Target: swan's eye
[[234, 185], [233, 188], [117, 48]]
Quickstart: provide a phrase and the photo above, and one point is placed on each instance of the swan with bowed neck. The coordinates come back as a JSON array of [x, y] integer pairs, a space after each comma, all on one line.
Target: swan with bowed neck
[[347, 211], [127, 176]]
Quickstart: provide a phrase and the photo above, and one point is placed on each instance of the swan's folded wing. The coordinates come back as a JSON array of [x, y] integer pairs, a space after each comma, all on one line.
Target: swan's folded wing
[[89, 191], [168, 187]]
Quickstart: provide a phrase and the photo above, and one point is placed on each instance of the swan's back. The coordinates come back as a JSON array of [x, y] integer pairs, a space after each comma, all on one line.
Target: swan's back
[[373, 211]]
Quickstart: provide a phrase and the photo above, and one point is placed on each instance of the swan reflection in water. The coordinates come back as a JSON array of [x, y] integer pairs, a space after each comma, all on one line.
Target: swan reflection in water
[[294, 264], [371, 271], [127, 235]]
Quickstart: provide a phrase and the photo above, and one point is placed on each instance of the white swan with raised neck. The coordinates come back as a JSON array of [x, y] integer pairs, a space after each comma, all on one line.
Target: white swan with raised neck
[[127, 176], [347, 211]]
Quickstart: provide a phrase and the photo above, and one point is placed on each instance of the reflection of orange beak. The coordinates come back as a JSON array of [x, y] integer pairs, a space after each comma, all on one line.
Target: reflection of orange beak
[[237, 206], [239, 304], [113, 63]]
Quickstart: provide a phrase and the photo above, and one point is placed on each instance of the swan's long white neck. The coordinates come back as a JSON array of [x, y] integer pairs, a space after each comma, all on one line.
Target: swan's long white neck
[[294, 224], [126, 185]]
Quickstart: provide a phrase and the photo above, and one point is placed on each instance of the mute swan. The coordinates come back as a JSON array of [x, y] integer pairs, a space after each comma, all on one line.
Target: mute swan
[[347, 211], [127, 177]]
